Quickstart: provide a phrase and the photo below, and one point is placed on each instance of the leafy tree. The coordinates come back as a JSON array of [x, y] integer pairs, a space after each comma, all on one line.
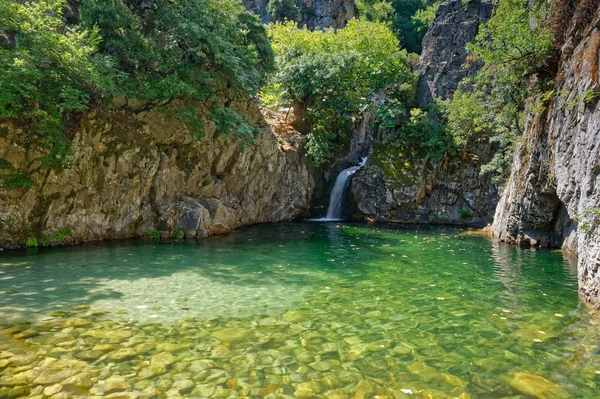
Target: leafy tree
[[512, 47], [48, 70], [193, 50], [410, 30], [375, 10], [409, 19], [282, 10], [423, 18], [329, 76]]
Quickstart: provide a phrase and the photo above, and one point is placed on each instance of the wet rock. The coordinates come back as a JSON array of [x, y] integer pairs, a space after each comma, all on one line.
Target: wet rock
[[401, 350], [89, 355], [362, 389], [296, 316], [122, 354], [535, 386], [325, 365], [78, 382], [103, 348], [114, 384], [234, 334], [48, 377], [75, 322], [14, 392], [52, 389], [24, 378], [161, 361], [22, 360], [203, 390], [183, 386], [123, 395]]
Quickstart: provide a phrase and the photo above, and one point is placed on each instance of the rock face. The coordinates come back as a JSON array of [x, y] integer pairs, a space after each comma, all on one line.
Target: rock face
[[395, 188], [553, 195], [314, 14], [138, 171], [398, 187], [444, 47]]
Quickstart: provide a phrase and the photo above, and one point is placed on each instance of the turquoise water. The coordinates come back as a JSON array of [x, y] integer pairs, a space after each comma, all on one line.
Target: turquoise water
[[297, 310]]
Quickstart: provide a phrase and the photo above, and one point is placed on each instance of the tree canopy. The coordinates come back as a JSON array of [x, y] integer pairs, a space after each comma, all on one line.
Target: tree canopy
[[329, 76]]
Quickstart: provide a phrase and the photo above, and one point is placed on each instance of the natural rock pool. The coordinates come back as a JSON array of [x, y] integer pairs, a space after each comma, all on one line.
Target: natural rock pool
[[302, 310]]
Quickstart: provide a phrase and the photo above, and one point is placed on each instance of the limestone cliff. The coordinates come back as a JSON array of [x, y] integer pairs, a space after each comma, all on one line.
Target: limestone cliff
[[553, 195], [314, 14], [396, 187], [135, 170]]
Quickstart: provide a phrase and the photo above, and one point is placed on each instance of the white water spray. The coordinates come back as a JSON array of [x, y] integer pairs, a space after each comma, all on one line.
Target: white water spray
[[334, 212]]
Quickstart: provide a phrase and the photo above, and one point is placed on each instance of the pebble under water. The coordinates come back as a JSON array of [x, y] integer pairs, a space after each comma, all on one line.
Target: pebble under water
[[297, 310]]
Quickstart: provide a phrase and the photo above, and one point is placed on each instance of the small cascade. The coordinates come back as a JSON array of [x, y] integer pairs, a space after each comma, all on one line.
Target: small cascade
[[334, 212]]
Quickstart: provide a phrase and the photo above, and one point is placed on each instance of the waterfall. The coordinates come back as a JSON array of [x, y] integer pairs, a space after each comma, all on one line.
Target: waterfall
[[334, 212]]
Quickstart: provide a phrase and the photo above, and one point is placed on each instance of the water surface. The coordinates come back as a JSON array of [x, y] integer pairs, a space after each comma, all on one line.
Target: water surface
[[298, 310]]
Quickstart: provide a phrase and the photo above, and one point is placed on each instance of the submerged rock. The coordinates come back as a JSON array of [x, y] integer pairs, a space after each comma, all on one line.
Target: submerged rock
[[234, 334], [536, 386]]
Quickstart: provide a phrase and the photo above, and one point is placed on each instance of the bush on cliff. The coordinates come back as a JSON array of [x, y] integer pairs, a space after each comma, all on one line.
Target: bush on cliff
[[195, 51], [330, 76], [515, 51]]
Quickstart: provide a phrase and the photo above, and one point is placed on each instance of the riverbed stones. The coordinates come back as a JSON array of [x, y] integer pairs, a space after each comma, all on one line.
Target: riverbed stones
[[121, 354], [160, 361], [23, 378], [79, 381], [183, 386], [114, 383], [203, 390], [536, 386], [52, 389], [234, 334], [53, 376]]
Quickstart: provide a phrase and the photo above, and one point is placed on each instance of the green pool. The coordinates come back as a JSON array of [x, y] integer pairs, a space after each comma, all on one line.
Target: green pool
[[297, 310]]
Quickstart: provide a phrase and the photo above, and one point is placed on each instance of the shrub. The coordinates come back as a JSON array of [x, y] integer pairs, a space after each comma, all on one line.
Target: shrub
[[155, 234], [329, 76], [31, 242], [465, 213], [281, 10]]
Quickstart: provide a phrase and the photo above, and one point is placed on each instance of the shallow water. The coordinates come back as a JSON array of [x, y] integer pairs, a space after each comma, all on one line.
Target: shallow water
[[297, 310]]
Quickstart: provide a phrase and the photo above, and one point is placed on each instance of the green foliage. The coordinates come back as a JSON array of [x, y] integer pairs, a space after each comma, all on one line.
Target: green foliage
[[5, 165], [423, 18], [411, 30], [16, 180], [512, 47], [465, 213], [329, 76], [155, 234], [409, 19], [62, 233], [206, 182], [31, 242], [281, 10], [374, 10], [417, 132], [48, 70], [197, 52], [59, 235], [175, 234]]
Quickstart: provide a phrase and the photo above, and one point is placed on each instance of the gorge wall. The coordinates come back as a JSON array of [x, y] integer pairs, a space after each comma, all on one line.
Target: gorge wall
[[401, 188], [314, 14], [135, 170], [553, 195]]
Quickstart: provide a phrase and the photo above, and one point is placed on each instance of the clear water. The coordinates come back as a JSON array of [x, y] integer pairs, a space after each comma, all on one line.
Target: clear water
[[298, 310]]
